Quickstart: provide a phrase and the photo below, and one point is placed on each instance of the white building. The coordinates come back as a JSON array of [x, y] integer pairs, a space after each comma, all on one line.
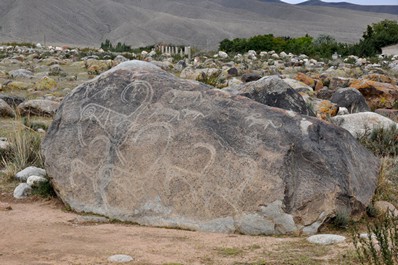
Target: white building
[[390, 50]]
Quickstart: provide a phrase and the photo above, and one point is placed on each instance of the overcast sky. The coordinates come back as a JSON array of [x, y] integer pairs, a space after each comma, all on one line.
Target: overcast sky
[[359, 2]]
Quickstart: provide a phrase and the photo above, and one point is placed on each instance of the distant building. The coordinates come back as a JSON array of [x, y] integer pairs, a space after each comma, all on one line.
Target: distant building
[[390, 50]]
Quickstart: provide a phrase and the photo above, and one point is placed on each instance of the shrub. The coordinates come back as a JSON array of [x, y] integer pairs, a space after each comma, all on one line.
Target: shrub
[[382, 142], [342, 219], [24, 151], [381, 244], [44, 190]]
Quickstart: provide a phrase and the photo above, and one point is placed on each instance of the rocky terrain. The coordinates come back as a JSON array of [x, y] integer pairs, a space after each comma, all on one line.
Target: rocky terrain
[[200, 23], [257, 143]]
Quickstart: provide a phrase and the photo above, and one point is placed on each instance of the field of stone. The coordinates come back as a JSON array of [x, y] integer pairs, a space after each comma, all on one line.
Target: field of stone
[[322, 132]]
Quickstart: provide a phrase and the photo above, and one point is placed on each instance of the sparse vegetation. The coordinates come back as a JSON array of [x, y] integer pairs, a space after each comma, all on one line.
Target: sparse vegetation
[[376, 36], [382, 142], [380, 246]]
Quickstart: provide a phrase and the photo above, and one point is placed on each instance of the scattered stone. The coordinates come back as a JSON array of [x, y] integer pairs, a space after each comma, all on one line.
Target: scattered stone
[[5, 206], [306, 79], [389, 113], [326, 239], [222, 54], [4, 144], [34, 181], [22, 191], [298, 85], [13, 101], [246, 78], [55, 69], [383, 206], [38, 107], [360, 123], [273, 91], [351, 99], [6, 110], [17, 85], [120, 258], [21, 73], [23, 175], [161, 161]]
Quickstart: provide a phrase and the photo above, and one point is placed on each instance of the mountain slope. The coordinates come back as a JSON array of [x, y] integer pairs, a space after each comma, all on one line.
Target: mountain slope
[[199, 23], [375, 8]]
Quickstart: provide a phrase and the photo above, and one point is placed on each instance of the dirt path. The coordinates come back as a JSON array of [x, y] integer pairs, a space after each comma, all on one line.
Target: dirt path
[[43, 233]]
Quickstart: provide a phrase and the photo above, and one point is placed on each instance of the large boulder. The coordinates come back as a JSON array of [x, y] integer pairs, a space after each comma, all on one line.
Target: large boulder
[[361, 123], [273, 91], [351, 99], [38, 107], [147, 147]]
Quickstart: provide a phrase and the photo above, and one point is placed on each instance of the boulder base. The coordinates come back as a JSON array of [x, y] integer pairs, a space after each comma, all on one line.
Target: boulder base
[[141, 145]]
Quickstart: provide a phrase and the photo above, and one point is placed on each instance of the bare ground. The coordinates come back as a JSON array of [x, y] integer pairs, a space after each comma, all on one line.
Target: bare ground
[[43, 232]]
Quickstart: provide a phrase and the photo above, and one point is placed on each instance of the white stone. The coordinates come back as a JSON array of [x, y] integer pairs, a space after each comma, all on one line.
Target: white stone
[[343, 111], [22, 191], [222, 54], [4, 144], [359, 123], [30, 171], [326, 239], [120, 258], [35, 180]]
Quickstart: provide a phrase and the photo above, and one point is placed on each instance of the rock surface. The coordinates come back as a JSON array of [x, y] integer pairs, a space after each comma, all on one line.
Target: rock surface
[[360, 123], [39, 107], [22, 191], [351, 99], [34, 181], [326, 239], [6, 110], [273, 91], [23, 175], [148, 147], [120, 258]]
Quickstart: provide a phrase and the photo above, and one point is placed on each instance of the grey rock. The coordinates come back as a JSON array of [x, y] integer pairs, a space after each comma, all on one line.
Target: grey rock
[[326, 239], [360, 123], [21, 73], [23, 175], [273, 91], [120, 59], [13, 101], [233, 71], [34, 181], [4, 143], [38, 107], [246, 78], [55, 69], [147, 147], [351, 99], [389, 113], [22, 191], [120, 258], [6, 110]]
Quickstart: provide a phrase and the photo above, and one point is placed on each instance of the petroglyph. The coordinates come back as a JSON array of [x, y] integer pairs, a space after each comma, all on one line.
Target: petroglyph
[[257, 119]]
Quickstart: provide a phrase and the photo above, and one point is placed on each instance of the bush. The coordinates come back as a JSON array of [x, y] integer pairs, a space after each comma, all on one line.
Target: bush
[[382, 142], [381, 244], [24, 151], [44, 190]]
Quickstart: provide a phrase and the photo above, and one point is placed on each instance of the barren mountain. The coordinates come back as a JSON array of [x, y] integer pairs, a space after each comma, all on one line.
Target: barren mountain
[[368, 8], [196, 22]]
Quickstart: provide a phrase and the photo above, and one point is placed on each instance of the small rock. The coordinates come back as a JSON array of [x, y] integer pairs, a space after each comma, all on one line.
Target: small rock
[[22, 191], [383, 206], [4, 144], [351, 99], [5, 207], [6, 110], [222, 54], [326, 239], [23, 175], [21, 73], [39, 107], [246, 78], [120, 258], [34, 181]]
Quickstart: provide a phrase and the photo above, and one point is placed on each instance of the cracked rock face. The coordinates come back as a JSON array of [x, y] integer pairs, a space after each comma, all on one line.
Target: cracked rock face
[[138, 144]]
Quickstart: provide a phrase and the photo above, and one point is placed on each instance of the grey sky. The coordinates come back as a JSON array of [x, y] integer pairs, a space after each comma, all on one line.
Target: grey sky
[[359, 2]]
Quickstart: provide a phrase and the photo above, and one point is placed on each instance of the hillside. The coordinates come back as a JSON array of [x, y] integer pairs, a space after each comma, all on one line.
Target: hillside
[[200, 23], [375, 8]]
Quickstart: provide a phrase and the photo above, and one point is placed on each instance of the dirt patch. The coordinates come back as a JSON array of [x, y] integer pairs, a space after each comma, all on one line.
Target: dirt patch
[[42, 232]]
